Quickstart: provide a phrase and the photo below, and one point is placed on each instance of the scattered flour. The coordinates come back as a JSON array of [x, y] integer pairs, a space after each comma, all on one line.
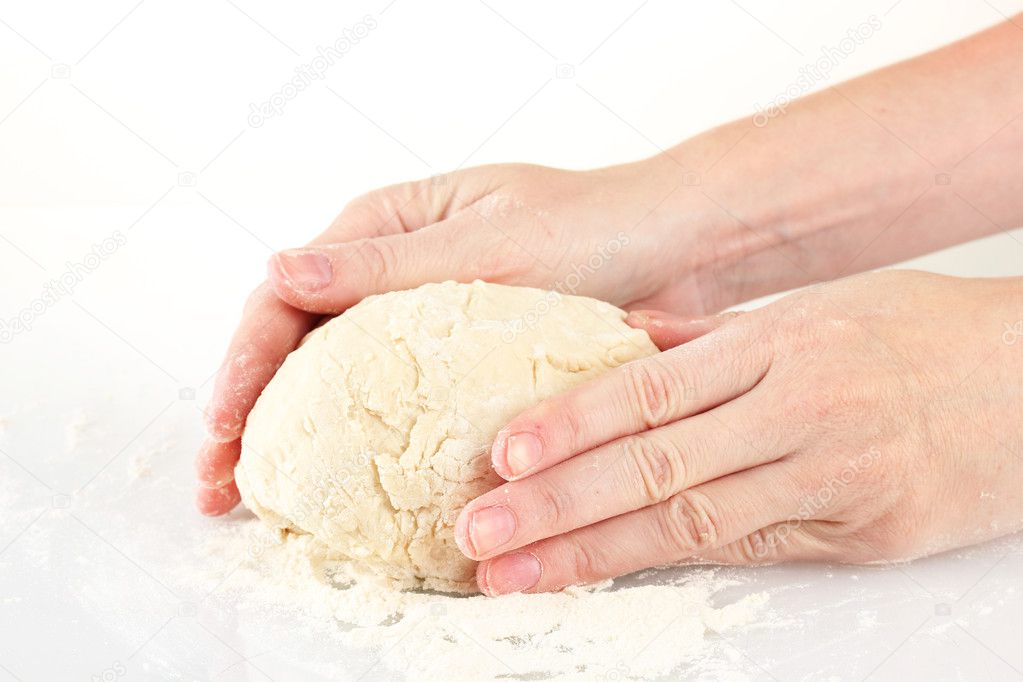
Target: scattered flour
[[866, 619], [140, 464], [601, 632], [76, 431]]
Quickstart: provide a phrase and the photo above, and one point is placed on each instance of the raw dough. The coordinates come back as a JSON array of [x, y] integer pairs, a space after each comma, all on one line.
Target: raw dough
[[377, 429]]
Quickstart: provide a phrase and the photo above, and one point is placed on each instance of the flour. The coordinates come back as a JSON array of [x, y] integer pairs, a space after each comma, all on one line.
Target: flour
[[76, 430], [603, 632], [140, 464]]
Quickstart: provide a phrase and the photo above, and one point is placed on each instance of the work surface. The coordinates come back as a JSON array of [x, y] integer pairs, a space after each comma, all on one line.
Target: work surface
[[99, 541]]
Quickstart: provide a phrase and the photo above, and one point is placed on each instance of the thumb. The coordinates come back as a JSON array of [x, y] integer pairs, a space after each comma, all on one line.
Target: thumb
[[386, 239], [667, 330], [330, 278]]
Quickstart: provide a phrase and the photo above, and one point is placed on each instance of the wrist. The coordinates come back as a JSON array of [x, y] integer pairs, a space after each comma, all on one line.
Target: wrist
[[692, 260], [719, 226], [761, 210]]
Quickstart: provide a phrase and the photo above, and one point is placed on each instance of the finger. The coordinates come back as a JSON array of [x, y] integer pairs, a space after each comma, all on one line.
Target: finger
[[214, 465], [330, 278], [630, 473], [270, 328], [409, 206], [637, 396], [667, 330], [268, 331], [389, 210], [217, 501], [690, 523], [790, 540]]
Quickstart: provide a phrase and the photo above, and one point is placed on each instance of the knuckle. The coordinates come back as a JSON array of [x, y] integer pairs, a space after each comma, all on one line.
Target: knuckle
[[362, 211], [554, 505], [805, 307], [557, 421], [359, 207], [659, 464], [759, 547], [494, 256], [689, 523], [573, 423], [800, 331], [392, 205], [257, 298], [586, 563], [377, 258], [652, 387]]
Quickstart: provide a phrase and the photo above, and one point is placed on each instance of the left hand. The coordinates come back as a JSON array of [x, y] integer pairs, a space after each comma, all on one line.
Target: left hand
[[874, 418], [471, 224]]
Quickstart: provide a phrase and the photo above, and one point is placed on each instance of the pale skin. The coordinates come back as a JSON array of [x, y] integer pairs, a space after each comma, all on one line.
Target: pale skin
[[871, 418]]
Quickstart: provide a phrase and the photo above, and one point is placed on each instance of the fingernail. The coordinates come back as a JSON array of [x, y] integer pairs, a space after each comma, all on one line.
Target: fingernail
[[512, 573], [217, 502], [637, 317], [522, 452], [211, 469], [303, 270], [489, 528]]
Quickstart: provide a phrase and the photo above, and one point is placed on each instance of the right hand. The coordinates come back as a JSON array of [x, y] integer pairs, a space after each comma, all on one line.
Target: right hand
[[610, 233]]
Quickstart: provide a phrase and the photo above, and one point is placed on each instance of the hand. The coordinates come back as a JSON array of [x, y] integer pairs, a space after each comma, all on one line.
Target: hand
[[875, 418], [739, 211], [605, 233]]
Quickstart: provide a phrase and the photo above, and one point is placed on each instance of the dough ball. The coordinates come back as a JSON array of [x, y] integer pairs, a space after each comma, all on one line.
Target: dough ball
[[376, 431]]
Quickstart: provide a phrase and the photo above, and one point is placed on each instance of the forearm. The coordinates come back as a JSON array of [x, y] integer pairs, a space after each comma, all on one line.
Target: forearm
[[915, 157]]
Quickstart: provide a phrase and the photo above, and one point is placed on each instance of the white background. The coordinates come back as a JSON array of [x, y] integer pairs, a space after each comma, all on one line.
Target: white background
[[134, 117]]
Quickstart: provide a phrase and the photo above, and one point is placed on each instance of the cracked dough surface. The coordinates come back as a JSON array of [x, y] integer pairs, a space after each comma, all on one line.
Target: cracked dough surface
[[377, 430]]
